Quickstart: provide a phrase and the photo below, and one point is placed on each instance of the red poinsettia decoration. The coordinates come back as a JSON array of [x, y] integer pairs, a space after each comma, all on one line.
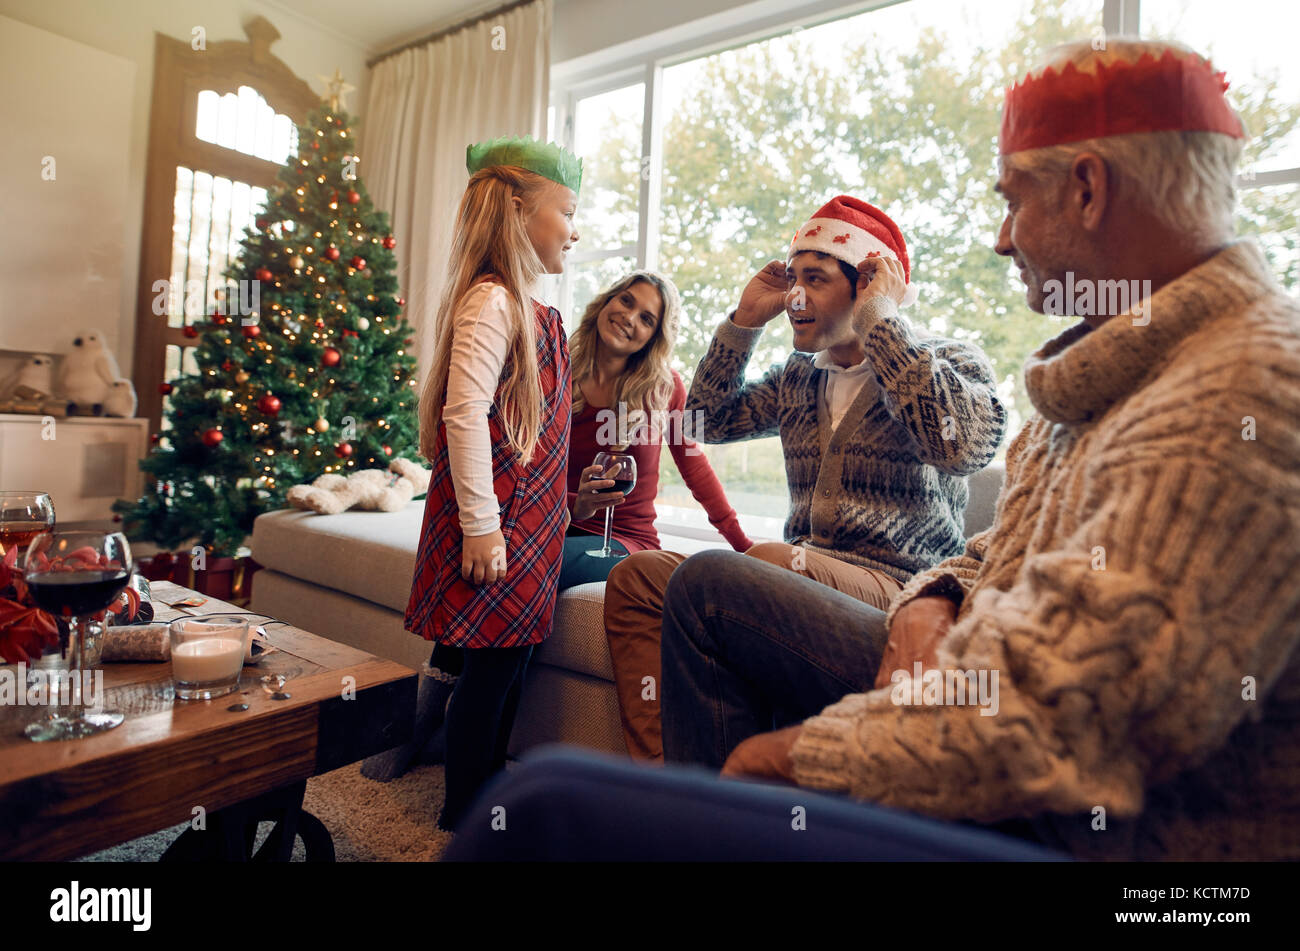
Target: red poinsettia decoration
[[25, 630]]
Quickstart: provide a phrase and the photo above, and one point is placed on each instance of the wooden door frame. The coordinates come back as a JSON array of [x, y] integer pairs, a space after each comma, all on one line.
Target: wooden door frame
[[180, 73]]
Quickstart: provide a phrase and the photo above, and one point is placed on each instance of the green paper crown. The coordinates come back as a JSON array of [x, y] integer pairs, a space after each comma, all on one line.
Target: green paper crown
[[545, 158]]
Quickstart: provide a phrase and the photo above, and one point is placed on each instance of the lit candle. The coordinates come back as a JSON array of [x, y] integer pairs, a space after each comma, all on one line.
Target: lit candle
[[207, 659]]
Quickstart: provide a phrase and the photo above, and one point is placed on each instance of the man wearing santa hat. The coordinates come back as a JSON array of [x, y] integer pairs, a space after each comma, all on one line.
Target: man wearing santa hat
[[879, 424], [1136, 595]]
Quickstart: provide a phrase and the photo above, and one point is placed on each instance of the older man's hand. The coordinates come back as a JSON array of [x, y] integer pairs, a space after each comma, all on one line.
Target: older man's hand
[[914, 635], [764, 756]]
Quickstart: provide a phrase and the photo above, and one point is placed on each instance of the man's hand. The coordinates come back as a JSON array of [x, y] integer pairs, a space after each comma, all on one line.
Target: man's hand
[[483, 558], [765, 756], [881, 276], [914, 635], [763, 297]]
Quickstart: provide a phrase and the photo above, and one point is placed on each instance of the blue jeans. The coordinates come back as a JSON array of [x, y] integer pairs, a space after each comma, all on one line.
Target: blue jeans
[[564, 805], [579, 568], [749, 647]]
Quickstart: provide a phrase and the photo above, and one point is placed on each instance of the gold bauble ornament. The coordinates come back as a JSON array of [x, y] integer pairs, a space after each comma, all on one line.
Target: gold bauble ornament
[[321, 425], [297, 262], [241, 376]]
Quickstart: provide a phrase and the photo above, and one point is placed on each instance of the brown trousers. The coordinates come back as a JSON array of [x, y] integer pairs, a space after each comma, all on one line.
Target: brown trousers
[[634, 604]]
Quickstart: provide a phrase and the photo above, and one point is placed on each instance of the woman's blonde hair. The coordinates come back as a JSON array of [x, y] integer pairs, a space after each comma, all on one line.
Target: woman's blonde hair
[[647, 382], [491, 238]]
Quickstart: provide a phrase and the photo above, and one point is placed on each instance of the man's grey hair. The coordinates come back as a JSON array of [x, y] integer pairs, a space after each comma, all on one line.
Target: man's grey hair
[[1187, 180]]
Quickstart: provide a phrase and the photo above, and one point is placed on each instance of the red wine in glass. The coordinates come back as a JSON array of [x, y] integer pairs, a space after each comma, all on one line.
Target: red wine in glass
[[67, 593], [627, 471], [74, 575]]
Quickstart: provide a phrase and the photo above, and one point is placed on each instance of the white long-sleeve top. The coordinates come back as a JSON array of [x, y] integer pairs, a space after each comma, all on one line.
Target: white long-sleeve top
[[480, 339]]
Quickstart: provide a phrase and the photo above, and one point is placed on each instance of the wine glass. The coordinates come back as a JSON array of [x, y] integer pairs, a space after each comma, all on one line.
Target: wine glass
[[624, 481], [73, 575], [23, 516]]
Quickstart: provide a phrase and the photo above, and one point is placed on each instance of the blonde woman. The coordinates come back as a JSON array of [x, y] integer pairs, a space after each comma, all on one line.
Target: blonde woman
[[626, 394]]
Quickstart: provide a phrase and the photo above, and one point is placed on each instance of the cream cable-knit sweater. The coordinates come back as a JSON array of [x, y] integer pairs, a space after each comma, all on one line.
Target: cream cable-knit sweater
[[1142, 575]]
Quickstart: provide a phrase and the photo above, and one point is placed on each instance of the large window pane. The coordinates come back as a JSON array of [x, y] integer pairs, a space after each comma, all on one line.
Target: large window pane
[[607, 136], [1253, 41], [589, 279], [899, 107], [1272, 217]]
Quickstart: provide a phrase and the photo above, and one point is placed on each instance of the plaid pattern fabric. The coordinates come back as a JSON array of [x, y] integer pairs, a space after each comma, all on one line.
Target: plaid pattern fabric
[[516, 610]]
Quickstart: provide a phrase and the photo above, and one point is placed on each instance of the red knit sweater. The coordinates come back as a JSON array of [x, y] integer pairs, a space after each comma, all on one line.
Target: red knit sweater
[[634, 517]]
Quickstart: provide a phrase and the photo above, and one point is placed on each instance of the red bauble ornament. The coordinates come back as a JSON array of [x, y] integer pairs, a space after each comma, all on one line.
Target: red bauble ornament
[[388, 450], [212, 438], [315, 144], [330, 357], [189, 330], [353, 197], [343, 450], [401, 302], [349, 333], [227, 365], [390, 242], [252, 331], [218, 319], [263, 274], [358, 262], [155, 438], [269, 404], [331, 254], [320, 322], [165, 389], [261, 224]]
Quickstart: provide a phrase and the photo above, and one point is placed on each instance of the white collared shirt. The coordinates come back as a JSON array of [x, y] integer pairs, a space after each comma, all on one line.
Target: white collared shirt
[[843, 384]]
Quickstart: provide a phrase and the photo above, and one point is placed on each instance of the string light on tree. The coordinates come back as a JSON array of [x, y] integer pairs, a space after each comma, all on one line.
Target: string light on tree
[[261, 399]]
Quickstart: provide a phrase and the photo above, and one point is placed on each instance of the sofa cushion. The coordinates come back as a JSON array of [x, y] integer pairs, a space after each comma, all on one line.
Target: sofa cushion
[[370, 555]]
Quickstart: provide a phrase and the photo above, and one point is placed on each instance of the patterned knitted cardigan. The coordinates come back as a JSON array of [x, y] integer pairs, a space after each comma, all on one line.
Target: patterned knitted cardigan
[[1138, 593], [886, 489]]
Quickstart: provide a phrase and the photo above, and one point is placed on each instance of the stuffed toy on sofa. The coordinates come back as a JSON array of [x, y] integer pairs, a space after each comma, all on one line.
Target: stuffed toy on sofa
[[382, 490]]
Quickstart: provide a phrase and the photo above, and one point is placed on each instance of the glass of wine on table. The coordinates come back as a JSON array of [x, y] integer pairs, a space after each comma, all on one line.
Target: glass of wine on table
[[620, 467], [74, 575], [23, 516]]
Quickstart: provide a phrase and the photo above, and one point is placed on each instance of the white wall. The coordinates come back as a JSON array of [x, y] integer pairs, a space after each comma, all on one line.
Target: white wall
[[126, 29]]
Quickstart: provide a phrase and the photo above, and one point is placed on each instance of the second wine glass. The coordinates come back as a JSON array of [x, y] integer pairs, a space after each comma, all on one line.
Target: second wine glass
[[624, 481]]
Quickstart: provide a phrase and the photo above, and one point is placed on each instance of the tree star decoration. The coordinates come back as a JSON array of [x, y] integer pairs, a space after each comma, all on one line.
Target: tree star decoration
[[336, 86]]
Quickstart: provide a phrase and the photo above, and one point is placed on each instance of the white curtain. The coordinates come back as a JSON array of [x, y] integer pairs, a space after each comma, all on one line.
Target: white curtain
[[425, 105]]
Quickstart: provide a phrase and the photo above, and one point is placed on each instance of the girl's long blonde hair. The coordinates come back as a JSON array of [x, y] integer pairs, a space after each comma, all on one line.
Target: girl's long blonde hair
[[491, 238], [647, 383]]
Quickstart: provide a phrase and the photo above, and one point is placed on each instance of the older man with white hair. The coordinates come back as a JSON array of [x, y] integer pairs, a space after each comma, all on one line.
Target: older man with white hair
[[1136, 601]]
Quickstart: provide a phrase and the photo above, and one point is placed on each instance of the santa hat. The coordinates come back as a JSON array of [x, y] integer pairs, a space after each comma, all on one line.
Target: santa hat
[[850, 230]]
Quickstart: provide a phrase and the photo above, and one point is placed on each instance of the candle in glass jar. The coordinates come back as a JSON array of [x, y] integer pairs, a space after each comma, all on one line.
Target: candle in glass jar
[[207, 659]]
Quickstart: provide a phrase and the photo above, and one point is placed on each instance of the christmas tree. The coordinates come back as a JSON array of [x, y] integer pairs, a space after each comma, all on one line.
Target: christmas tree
[[304, 367]]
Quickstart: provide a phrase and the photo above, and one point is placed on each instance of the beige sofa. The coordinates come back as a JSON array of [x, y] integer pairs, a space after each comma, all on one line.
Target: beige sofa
[[347, 577]]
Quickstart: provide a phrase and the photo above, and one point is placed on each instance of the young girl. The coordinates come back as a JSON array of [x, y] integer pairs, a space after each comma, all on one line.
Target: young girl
[[494, 423], [621, 370]]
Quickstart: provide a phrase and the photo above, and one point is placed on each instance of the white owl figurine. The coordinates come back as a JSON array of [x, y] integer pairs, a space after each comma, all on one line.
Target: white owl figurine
[[37, 371], [87, 374], [121, 399]]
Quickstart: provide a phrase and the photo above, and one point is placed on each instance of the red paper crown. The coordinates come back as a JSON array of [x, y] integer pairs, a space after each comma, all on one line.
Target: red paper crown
[[1172, 93]]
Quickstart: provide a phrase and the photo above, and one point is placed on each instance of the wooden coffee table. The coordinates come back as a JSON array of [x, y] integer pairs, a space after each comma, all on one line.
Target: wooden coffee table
[[62, 799]]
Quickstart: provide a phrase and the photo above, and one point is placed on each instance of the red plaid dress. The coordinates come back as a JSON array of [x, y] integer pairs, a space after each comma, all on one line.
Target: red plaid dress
[[517, 609]]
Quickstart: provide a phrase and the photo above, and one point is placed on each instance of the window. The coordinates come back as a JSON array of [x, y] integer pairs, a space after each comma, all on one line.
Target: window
[[222, 127], [747, 131]]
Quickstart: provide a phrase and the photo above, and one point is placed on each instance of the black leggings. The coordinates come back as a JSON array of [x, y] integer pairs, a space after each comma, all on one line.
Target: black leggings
[[479, 718]]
